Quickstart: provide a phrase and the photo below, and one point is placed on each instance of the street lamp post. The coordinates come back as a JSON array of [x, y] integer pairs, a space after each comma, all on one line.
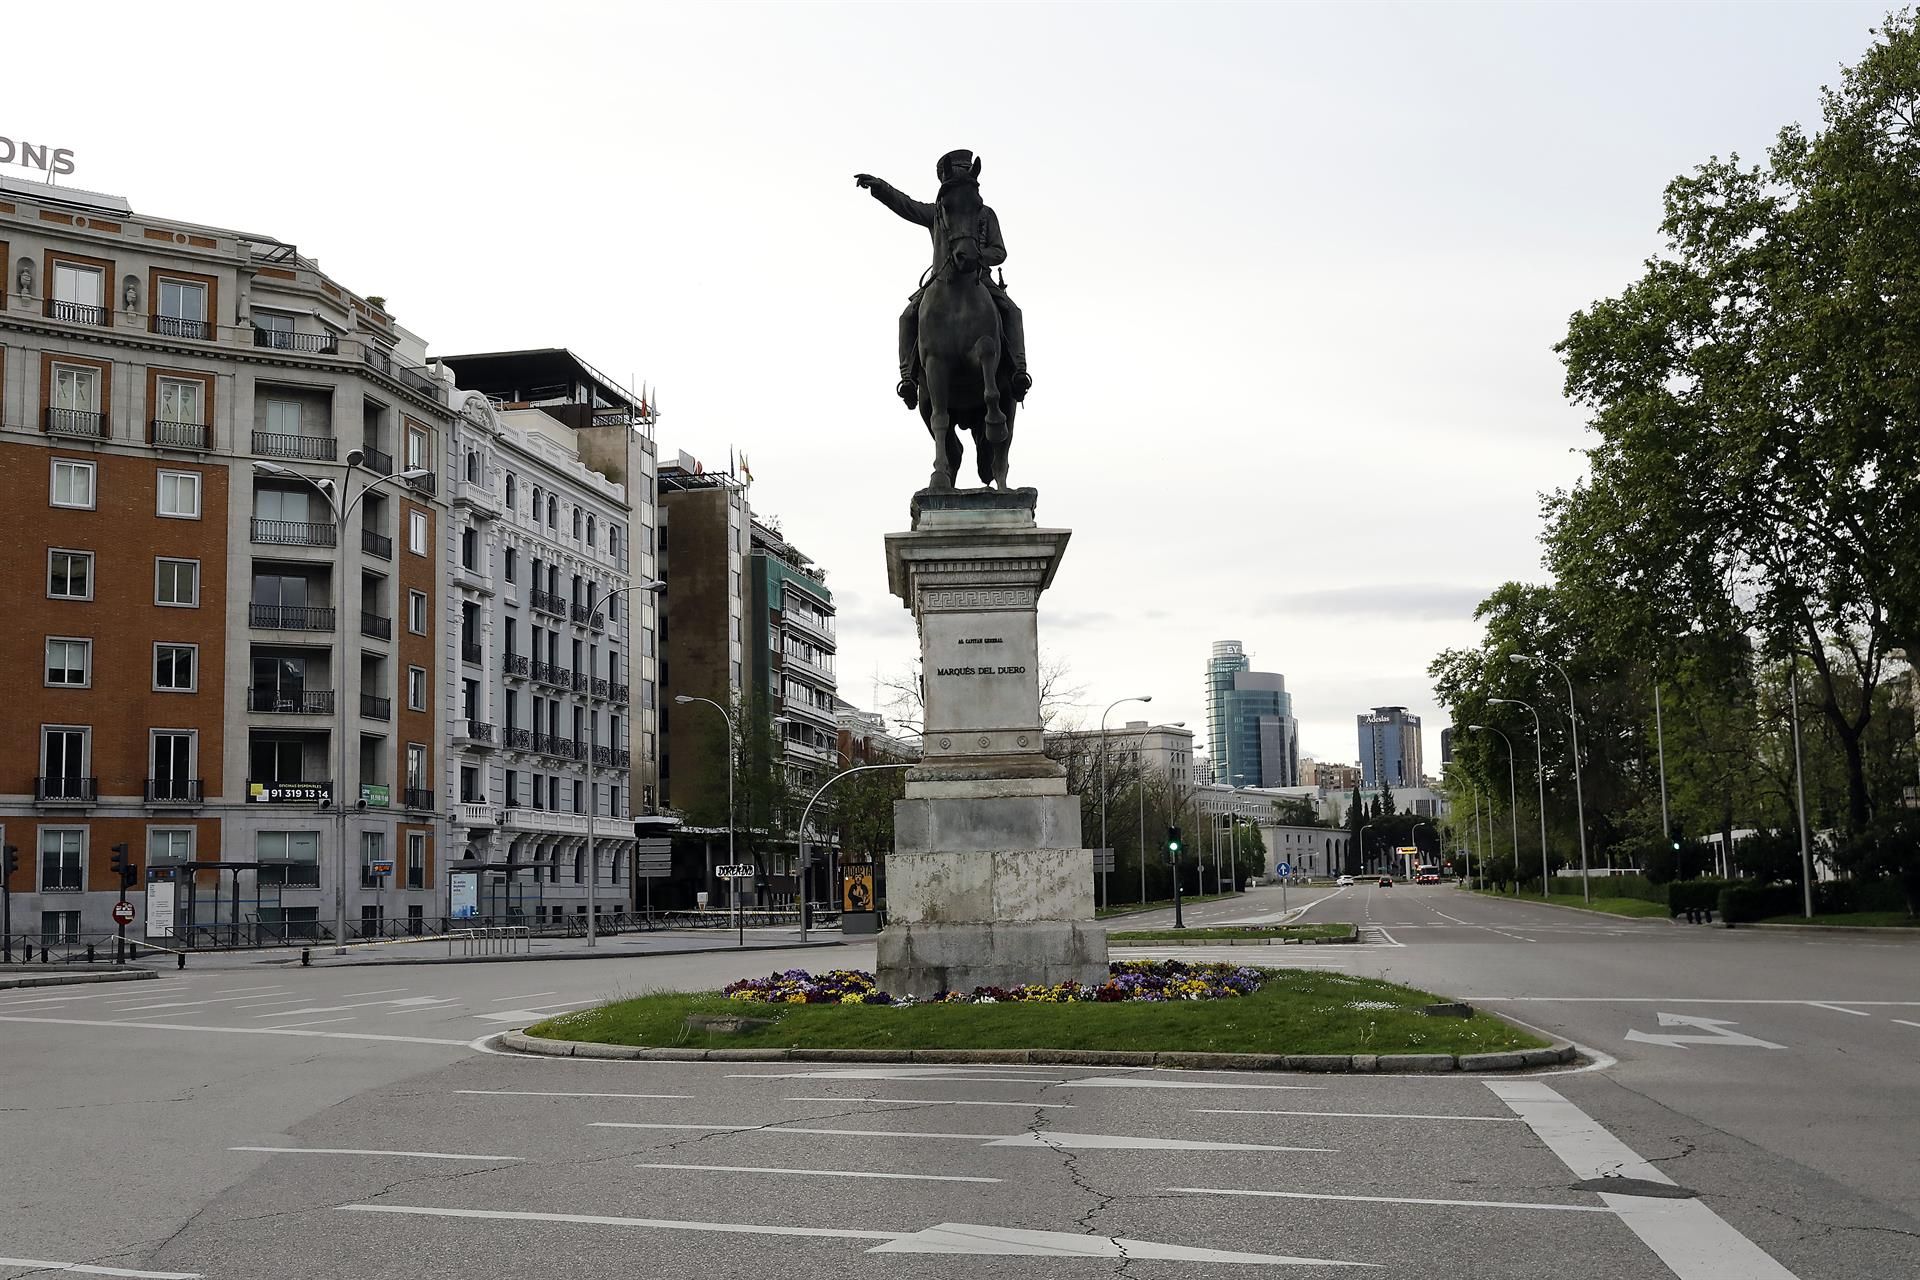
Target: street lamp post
[[1512, 795], [1579, 799], [1105, 883], [1413, 834], [1540, 777], [733, 889], [1363, 846], [808, 812], [593, 801], [329, 492]]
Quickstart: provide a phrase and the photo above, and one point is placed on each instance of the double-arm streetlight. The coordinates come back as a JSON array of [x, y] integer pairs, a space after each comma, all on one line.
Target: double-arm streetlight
[[330, 492], [1579, 801], [1540, 776], [1413, 834], [593, 801], [1106, 887], [733, 893], [1512, 809]]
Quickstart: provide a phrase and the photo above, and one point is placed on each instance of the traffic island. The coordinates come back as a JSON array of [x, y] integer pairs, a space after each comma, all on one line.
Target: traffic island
[[1241, 936], [1274, 1020]]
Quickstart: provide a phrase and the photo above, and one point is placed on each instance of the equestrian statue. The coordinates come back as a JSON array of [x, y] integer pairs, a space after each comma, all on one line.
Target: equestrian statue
[[963, 350]]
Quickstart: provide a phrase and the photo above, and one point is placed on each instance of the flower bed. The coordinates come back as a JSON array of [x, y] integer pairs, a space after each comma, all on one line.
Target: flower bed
[[1150, 981]]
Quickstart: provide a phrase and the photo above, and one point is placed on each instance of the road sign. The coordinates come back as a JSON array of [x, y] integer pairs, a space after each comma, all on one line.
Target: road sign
[[123, 912], [1716, 1029], [1283, 869], [1103, 860], [734, 871]]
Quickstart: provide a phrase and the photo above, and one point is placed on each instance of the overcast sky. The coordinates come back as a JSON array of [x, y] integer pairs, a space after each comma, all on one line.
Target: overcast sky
[[1292, 273]]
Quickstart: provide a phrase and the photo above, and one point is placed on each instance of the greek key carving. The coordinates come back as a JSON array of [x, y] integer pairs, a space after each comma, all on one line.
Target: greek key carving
[[981, 598]]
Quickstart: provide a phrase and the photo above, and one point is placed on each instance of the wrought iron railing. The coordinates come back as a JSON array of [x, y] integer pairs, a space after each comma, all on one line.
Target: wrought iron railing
[[294, 533], [291, 617], [76, 422], [297, 702], [178, 435], [280, 445]]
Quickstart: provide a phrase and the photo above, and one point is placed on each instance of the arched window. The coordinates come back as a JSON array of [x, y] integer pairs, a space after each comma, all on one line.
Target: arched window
[[536, 504], [513, 490], [576, 524], [613, 540], [473, 466], [589, 530], [580, 866], [553, 513]]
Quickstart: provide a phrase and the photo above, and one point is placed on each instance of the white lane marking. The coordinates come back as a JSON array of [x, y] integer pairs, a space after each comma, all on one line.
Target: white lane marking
[[412, 1001], [944, 1238], [1391, 940], [538, 1013], [1471, 925], [238, 1031], [531, 995], [1692, 1240], [444, 1005], [1051, 1138], [1145, 1082], [544, 1093], [176, 1004], [949, 1102], [377, 991], [235, 991], [1464, 1204], [817, 1173], [1903, 1022], [319, 1022], [1344, 1115], [365, 1151], [1858, 1013], [87, 1269], [885, 1074], [1871, 1004], [1715, 1028], [262, 1004]]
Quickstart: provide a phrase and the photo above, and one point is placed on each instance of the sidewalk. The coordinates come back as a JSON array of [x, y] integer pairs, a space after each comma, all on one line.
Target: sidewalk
[[623, 946]]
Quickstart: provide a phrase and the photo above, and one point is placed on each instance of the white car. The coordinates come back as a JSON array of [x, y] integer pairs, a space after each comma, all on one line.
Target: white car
[[1344, 882]]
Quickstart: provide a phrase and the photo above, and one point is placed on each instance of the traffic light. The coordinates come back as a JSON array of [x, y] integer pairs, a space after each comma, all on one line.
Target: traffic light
[[124, 868], [1173, 844], [1677, 837], [12, 862]]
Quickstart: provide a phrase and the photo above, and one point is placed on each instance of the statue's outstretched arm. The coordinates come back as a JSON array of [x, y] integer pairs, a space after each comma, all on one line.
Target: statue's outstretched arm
[[923, 215]]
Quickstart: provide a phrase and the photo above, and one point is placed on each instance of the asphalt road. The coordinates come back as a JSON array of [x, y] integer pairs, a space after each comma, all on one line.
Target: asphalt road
[[251, 1119]]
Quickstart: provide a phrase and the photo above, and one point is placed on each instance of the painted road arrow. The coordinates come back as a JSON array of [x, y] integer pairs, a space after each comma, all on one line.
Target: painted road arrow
[[1716, 1029], [945, 1237]]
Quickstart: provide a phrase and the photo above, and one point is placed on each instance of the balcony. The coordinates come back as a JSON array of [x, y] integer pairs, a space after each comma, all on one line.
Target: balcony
[[515, 665], [290, 617], [77, 422], [294, 533], [416, 380], [515, 739], [180, 327], [600, 687], [477, 496], [547, 602], [376, 544], [426, 483], [375, 707], [375, 460], [419, 798], [470, 652], [473, 733], [175, 791], [277, 445], [580, 614], [620, 693], [622, 758], [66, 790], [475, 814], [373, 624], [602, 756], [78, 313], [547, 745], [178, 435], [804, 623], [546, 820], [580, 681], [291, 702], [322, 344]]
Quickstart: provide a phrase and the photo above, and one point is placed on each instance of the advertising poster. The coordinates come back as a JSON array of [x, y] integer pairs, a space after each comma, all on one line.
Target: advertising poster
[[856, 888], [466, 895], [160, 909]]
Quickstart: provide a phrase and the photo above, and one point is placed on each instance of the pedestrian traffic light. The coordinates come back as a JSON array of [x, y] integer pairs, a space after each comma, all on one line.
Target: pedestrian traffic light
[[1173, 844], [12, 862], [123, 867]]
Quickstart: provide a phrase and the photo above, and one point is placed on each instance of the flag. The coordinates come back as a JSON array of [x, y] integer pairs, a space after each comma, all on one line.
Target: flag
[[746, 470]]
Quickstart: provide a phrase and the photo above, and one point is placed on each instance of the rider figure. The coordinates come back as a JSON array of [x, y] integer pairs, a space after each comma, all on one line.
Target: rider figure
[[993, 251]]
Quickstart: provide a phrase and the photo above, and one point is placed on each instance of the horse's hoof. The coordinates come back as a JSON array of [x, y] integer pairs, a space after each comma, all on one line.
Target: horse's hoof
[[940, 480]]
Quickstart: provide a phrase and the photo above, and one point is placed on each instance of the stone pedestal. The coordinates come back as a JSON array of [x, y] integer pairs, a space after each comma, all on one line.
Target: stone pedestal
[[987, 884]]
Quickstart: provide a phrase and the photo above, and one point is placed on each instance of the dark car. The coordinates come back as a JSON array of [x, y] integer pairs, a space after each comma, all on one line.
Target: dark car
[[1386, 882]]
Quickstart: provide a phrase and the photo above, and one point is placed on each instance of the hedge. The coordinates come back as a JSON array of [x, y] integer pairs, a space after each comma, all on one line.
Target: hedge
[[1740, 903], [1694, 895], [1613, 887]]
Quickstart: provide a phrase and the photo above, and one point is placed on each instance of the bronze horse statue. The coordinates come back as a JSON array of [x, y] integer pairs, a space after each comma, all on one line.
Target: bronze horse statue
[[966, 381]]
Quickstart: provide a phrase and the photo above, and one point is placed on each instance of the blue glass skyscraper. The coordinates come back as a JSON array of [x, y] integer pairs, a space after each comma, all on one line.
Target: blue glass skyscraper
[[1256, 740]]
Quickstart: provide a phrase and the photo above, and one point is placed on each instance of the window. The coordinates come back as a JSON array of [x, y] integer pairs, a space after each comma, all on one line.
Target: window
[[177, 582], [182, 300], [72, 484], [174, 666], [76, 389], [469, 699], [416, 766], [579, 796], [510, 629], [416, 860], [181, 401], [416, 688], [172, 777], [63, 757], [473, 466], [736, 675], [512, 564], [69, 663], [470, 785], [576, 524], [553, 513], [417, 449], [169, 845], [512, 790], [373, 848], [282, 504], [180, 494], [283, 416], [76, 284], [290, 858], [417, 612], [417, 532], [513, 490], [57, 927], [613, 541], [539, 791], [589, 530], [63, 852]]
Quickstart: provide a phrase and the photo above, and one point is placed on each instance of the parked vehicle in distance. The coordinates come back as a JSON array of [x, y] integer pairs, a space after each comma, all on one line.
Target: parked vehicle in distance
[[1344, 882], [1386, 882]]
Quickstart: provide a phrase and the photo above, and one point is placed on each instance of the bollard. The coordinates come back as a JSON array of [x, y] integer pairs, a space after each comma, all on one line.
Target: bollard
[[306, 957], [89, 953], [29, 958], [180, 960]]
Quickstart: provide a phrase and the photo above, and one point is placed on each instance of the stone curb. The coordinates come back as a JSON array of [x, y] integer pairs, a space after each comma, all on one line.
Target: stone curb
[[521, 958], [1560, 1052], [1230, 942], [1585, 911], [75, 979], [1854, 930]]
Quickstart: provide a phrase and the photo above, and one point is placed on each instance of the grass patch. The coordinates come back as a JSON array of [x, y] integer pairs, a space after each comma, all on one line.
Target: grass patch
[[1165, 904], [1294, 1012], [1858, 919], [1637, 907], [1275, 932]]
